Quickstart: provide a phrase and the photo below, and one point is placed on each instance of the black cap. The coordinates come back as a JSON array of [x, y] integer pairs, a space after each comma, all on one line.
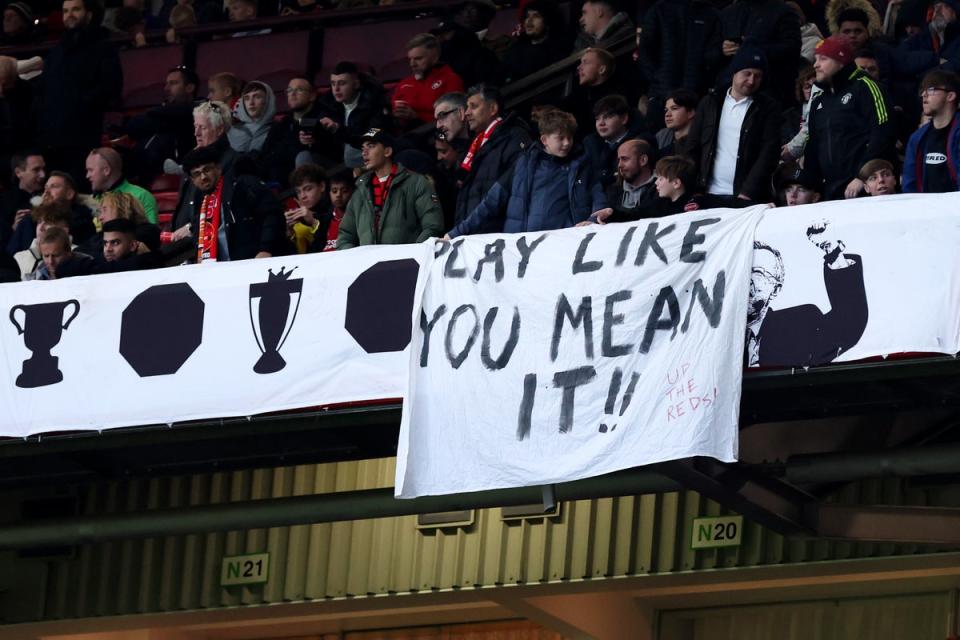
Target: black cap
[[790, 173], [120, 225], [201, 156], [376, 135]]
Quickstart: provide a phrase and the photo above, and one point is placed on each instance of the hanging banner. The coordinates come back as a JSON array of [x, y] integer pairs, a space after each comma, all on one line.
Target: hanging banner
[[842, 281], [544, 358], [208, 341]]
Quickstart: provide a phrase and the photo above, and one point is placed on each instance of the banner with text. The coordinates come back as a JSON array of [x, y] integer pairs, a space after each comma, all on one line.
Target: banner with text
[[208, 341], [841, 281], [544, 358]]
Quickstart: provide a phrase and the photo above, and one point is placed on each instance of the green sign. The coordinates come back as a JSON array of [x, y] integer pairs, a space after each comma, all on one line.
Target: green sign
[[711, 533], [248, 569]]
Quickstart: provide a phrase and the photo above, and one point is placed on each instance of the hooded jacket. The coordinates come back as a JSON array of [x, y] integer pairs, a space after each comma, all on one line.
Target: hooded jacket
[[248, 134], [513, 205]]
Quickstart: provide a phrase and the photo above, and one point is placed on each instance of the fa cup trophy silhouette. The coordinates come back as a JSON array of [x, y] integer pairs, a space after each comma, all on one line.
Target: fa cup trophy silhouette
[[272, 300], [42, 327]]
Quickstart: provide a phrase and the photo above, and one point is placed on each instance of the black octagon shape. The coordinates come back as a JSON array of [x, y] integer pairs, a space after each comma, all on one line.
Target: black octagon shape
[[161, 328], [380, 306]]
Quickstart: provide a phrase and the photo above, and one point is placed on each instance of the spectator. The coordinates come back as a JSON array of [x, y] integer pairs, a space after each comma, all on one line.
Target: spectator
[[810, 33], [55, 250], [795, 128], [414, 96], [461, 49], [595, 80], [678, 115], [305, 222], [391, 205], [224, 87], [736, 137], [635, 187], [290, 139], [60, 187], [115, 205], [166, 131], [122, 251], [548, 187], [45, 216], [679, 49], [342, 186], [450, 115], [105, 173], [613, 124], [849, 122], [81, 79], [939, 40], [866, 59], [540, 43], [793, 186], [774, 28], [878, 178], [17, 125], [496, 145], [252, 118], [244, 11], [30, 172], [18, 25], [355, 104], [602, 25], [930, 161], [238, 217]]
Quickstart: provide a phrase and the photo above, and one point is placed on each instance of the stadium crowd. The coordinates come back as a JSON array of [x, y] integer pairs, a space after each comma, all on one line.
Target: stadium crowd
[[721, 105]]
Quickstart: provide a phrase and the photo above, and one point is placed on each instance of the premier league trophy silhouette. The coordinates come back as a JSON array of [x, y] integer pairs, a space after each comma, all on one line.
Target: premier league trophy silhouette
[[272, 302], [42, 327]]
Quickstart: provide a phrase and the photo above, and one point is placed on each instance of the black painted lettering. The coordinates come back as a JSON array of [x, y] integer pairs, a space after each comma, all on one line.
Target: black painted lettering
[[526, 406], [625, 245], [457, 359], [569, 381], [655, 323], [526, 251], [579, 266], [492, 253], [505, 354], [450, 270], [583, 316], [610, 320], [651, 242], [691, 239], [712, 307], [427, 328]]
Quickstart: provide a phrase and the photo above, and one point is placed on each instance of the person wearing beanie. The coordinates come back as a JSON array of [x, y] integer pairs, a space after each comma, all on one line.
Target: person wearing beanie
[[849, 122], [18, 24], [735, 134], [793, 187]]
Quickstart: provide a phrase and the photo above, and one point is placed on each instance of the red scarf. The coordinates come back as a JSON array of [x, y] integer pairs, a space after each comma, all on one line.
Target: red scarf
[[380, 191], [477, 143], [209, 232]]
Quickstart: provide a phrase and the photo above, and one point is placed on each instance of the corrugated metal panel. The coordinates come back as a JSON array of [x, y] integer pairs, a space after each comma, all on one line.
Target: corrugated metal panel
[[591, 539], [917, 617]]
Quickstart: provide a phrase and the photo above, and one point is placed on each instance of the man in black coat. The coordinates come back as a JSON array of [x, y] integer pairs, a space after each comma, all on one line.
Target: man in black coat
[[614, 124], [497, 143], [297, 132], [82, 78], [735, 135], [355, 104], [30, 173], [249, 222], [804, 335]]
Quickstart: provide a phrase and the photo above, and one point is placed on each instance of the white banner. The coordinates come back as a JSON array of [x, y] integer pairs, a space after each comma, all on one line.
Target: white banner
[[229, 339], [544, 358], [841, 281]]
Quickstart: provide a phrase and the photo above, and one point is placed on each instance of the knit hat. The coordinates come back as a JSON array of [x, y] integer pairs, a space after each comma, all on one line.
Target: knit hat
[[837, 48], [748, 56], [23, 9]]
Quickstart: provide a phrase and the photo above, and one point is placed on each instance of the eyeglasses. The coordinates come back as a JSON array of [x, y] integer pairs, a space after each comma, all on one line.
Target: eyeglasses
[[444, 114], [929, 91]]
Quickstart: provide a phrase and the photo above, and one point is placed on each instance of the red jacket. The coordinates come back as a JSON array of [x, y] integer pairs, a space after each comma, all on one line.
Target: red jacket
[[421, 94]]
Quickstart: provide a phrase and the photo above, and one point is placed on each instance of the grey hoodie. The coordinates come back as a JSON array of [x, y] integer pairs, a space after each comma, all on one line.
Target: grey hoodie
[[248, 134]]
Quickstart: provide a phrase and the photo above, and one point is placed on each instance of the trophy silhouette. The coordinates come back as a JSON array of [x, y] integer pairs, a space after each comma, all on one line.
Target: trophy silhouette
[[270, 302], [42, 327]]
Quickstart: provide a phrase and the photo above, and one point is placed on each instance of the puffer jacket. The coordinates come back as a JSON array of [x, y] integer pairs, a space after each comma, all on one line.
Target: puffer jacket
[[511, 206], [410, 214]]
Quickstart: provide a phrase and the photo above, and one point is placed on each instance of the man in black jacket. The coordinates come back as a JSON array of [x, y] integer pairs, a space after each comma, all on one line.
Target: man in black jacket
[[497, 143], [82, 78], [238, 217], [734, 136], [297, 132], [355, 104], [849, 122], [613, 124]]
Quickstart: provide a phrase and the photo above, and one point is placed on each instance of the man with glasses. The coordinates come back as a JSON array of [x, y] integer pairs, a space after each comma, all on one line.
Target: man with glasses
[[450, 116], [236, 217], [930, 162], [849, 122]]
